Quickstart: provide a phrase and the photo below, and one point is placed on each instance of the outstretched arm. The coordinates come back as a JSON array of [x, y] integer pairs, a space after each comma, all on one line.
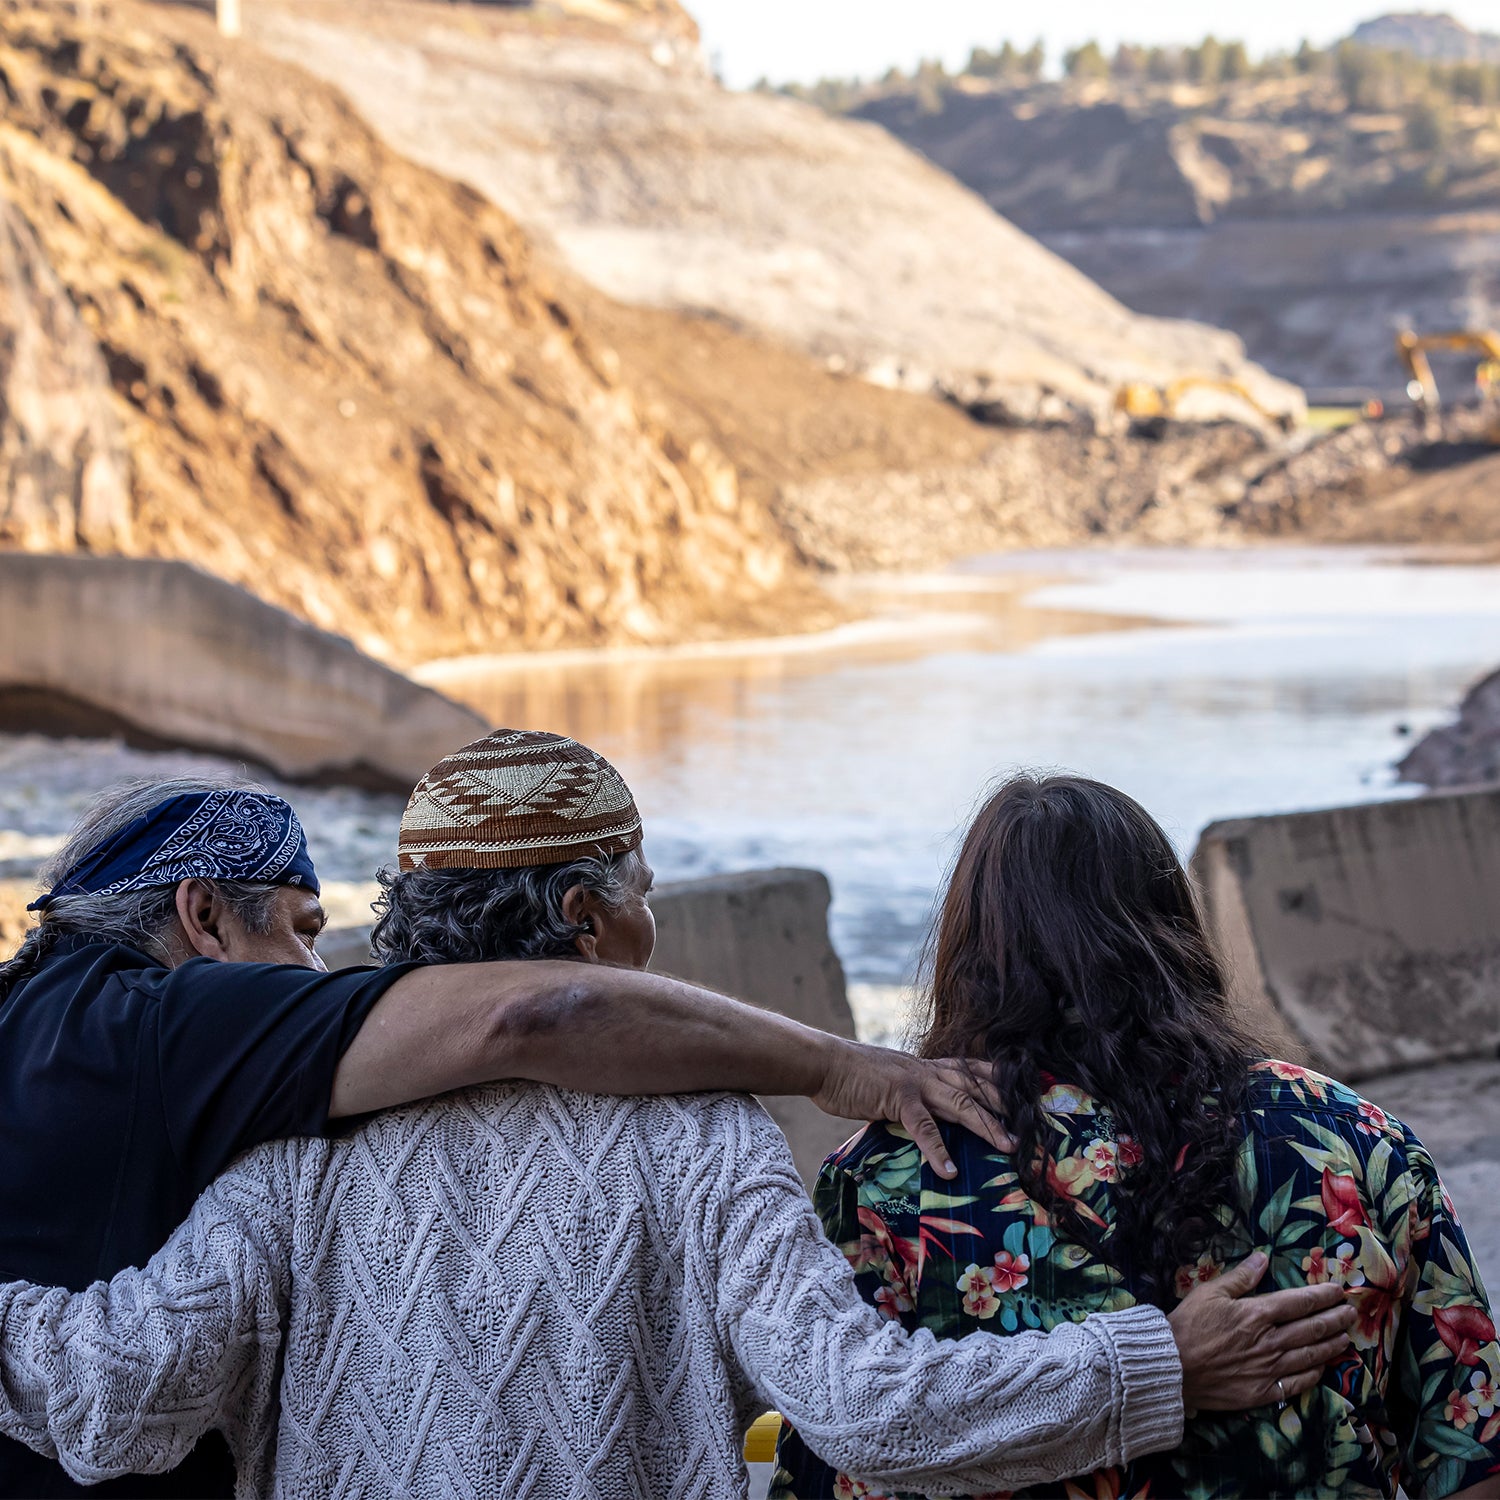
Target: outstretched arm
[[618, 1031], [909, 1411], [126, 1376]]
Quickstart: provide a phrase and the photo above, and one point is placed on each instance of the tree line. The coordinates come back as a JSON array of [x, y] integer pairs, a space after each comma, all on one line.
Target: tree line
[[1369, 79]]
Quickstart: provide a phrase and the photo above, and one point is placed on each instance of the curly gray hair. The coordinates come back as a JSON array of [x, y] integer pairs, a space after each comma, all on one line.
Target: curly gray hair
[[460, 916]]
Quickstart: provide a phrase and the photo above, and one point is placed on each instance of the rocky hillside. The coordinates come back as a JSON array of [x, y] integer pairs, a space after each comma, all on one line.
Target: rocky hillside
[[665, 190], [236, 327], [1310, 204]]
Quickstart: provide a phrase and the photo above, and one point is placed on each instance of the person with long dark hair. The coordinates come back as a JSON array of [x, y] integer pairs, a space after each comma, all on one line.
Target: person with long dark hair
[[1156, 1144]]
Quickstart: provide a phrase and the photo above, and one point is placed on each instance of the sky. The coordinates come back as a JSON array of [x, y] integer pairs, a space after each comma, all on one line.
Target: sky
[[787, 40]]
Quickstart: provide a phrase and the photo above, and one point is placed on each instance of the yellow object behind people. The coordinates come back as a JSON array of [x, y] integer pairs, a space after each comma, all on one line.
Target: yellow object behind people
[[760, 1441], [1413, 348]]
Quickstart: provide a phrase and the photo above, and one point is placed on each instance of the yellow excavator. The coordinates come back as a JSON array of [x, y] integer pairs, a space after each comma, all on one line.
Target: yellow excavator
[[1412, 350], [1143, 402]]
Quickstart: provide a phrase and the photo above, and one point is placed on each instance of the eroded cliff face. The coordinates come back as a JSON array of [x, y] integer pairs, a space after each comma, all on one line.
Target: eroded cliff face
[[320, 371], [64, 473]]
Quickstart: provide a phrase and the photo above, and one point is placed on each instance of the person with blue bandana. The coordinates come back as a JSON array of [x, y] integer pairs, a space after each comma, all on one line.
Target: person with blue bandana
[[168, 1012]]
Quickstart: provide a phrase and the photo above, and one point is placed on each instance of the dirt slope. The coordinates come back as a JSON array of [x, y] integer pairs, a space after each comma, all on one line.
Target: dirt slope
[[339, 379], [666, 190]]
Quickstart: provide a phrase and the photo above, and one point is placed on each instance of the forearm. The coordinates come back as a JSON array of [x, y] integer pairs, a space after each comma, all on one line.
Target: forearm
[[617, 1031], [578, 1026], [913, 1412], [126, 1376], [984, 1413]]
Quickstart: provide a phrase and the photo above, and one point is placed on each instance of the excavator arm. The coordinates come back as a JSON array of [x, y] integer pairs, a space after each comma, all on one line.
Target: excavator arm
[[1412, 350]]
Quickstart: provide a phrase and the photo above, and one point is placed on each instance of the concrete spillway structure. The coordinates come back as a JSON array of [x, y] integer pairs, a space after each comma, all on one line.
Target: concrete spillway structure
[[164, 654], [1364, 938]]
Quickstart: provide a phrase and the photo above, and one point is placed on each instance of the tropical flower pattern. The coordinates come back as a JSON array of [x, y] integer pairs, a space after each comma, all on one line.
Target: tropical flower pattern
[[1331, 1186]]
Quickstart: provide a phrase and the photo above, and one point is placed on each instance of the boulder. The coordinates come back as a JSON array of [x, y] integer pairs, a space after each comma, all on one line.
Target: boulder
[[1465, 752]]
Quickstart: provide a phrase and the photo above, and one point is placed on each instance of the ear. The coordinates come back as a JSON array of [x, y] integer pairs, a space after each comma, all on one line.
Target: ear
[[200, 915], [581, 909]]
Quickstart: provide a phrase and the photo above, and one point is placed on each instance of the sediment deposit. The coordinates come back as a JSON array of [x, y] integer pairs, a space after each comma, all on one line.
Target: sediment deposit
[[665, 189]]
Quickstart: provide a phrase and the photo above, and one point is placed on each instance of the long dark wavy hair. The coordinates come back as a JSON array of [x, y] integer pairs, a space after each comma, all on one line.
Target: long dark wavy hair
[[1069, 944]]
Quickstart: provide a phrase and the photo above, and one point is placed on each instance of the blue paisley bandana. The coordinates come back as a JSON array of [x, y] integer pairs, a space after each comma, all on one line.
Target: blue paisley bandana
[[226, 834]]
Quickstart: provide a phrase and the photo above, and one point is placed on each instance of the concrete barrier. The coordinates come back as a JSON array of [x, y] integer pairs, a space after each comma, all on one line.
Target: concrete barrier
[[761, 937], [166, 655], [1366, 937]]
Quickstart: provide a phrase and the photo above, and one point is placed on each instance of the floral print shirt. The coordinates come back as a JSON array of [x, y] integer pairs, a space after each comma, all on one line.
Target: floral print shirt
[[1331, 1186]]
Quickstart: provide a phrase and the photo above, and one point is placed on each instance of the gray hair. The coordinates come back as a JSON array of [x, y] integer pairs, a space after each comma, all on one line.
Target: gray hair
[[472, 916], [140, 919]]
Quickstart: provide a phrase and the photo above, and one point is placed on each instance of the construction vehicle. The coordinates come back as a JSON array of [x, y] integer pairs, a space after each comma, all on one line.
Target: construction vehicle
[[1412, 350], [1143, 402]]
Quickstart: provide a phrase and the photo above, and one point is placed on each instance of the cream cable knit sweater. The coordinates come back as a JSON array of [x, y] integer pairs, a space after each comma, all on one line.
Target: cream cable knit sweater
[[522, 1292]]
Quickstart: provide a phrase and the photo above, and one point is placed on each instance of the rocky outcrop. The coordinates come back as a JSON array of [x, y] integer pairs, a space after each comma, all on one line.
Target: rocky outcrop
[[1465, 752], [64, 473], [279, 349], [666, 190]]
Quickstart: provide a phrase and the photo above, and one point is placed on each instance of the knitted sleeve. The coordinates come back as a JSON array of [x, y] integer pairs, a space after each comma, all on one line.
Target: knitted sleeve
[[908, 1410], [127, 1375]]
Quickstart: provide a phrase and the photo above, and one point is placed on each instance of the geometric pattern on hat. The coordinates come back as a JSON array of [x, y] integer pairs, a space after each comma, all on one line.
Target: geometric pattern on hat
[[517, 797]]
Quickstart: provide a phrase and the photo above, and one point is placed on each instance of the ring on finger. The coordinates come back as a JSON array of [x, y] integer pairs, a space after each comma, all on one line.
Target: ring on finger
[[1281, 1391]]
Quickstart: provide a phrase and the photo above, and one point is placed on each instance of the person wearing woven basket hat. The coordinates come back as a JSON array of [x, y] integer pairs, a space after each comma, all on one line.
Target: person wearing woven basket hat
[[525, 1290]]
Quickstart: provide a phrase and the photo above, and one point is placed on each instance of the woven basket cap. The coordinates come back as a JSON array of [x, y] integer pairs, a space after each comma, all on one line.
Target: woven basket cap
[[517, 797]]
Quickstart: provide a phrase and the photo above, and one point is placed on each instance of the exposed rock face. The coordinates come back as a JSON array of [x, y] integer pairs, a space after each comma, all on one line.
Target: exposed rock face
[[1466, 752], [64, 477], [1267, 206], [666, 190], [341, 380]]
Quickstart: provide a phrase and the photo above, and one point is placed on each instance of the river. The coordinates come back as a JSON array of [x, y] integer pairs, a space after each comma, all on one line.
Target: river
[[1208, 685]]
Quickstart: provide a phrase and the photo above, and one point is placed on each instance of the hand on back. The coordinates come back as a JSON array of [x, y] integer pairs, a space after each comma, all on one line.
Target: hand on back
[[879, 1083], [1240, 1351]]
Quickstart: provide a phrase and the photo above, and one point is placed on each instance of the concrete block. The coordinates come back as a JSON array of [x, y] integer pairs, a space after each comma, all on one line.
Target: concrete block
[[1366, 937], [763, 938], [164, 654]]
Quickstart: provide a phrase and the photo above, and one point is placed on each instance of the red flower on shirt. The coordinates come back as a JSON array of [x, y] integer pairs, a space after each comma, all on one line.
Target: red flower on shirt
[[1341, 1203], [1464, 1329]]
